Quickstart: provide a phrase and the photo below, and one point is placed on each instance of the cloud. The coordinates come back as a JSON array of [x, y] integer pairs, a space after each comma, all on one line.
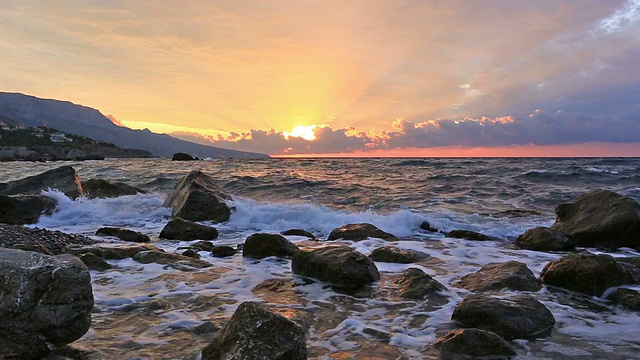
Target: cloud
[[114, 120]]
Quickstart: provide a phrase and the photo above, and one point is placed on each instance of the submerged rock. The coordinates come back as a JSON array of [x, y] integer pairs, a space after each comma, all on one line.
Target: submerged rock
[[298, 232], [46, 302], [357, 232], [123, 234], [182, 157], [99, 188], [24, 209], [473, 343], [392, 254], [600, 218], [256, 333], [176, 261], [340, 266], [587, 273], [197, 197], [628, 298], [515, 317], [468, 235], [426, 226], [262, 245], [179, 229], [544, 239], [64, 179], [415, 284], [223, 251], [512, 275]]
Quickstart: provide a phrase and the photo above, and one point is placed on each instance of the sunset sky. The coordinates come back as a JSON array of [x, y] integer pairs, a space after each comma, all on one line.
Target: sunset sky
[[366, 78]]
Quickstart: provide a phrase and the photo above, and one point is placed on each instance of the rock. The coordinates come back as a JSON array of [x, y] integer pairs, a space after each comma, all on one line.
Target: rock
[[191, 253], [392, 254], [516, 317], [197, 197], [298, 232], [628, 298], [63, 179], [179, 229], [357, 232], [123, 234], [40, 240], [24, 209], [469, 235], [99, 188], [46, 302], [586, 273], [182, 157], [600, 218], [415, 284], [119, 252], [206, 327], [223, 251], [256, 333], [94, 262], [427, 227], [203, 246], [544, 239], [473, 343], [512, 275], [173, 260], [340, 266], [634, 260], [262, 245]]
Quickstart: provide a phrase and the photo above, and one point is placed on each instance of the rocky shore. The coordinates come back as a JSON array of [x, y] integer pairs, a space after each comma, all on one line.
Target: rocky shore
[[40, 240]]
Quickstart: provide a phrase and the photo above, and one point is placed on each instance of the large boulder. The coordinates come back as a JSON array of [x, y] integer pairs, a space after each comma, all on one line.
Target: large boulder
[[600, 218], [515, 317], [262, 245], [63, 179], [357, 232], [179, 229], [392, 254], [587, 273], [99, 188], [24, 209], [473, 343], [45, 302], [197, 197], [123, 234], [544, 239], [415, 284], [512, 275], [340, 266], [256, 333]]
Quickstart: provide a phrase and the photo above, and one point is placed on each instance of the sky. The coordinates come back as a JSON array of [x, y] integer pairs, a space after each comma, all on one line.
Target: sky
[[342, 77]]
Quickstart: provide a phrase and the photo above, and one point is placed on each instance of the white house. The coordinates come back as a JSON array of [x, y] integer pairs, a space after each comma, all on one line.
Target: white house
[[58, 137]]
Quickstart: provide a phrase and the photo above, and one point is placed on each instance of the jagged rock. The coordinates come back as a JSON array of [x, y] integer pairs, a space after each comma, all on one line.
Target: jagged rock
[[176, 261], [415, 284], [182, 157], [24, 209], [628, 298], [179, 229], [600, 218], [298, 232], [427, 227], [46, 302], [512, 275], [123, 234], [63, 179], [544, 239], [223, 251], [473, 343], [357, 232], [197, 197], [516, 317], [340, 266], [256, 333], [99, 188], [392, 254], [262, 245], [469, 235], [94, 262], [587, 273]]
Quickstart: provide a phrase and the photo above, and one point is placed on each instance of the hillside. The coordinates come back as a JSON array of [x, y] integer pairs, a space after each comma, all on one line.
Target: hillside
[[85, 121]]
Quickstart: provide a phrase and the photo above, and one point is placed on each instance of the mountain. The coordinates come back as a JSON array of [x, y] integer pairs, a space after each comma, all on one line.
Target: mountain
[[84, 121]]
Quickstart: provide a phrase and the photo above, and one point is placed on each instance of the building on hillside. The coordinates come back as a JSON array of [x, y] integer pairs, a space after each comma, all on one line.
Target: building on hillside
[[59, 137], [5, 127], [38, 132], [20, 127]]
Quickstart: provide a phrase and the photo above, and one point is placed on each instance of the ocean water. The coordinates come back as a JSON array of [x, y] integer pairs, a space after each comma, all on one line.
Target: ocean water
[[498, 197]]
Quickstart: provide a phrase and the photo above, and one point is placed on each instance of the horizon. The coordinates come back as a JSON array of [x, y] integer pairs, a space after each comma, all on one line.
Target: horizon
[[333, 79]]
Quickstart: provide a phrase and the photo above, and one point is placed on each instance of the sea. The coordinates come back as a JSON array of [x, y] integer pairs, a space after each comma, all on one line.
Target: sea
[[153, 311]]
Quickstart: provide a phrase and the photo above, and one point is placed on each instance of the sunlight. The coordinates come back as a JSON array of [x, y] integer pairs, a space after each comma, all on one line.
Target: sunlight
[[300, 131]]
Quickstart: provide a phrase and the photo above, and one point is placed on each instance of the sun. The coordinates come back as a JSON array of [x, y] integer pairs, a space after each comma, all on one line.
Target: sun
[[304, 132]]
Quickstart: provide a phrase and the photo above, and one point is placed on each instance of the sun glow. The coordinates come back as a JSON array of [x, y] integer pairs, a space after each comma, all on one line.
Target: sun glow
[[304, 132]]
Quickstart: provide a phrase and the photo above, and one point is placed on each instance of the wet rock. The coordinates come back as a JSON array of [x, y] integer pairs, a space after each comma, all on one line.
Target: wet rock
[[516, 317], [191, 253], [223, 251], [46, 302], [357, 232], [256, 333], [298, 232], [392, 254], [40, 240], [99, 188], [206, 327], [600, 218], [634, 260], [94, 262], [427, 227], [119, 252], [149, 306], [469, 235], [512, 275], [174, 260], [262, 245], [340, 266], [79, 250], [203, 246], [628, 298], [123, 234], [182, 157], [63, 179], [179, 229], [586, 273], [473, 343], [544, 239], [415, 284], [24, 209], [197, 197]]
